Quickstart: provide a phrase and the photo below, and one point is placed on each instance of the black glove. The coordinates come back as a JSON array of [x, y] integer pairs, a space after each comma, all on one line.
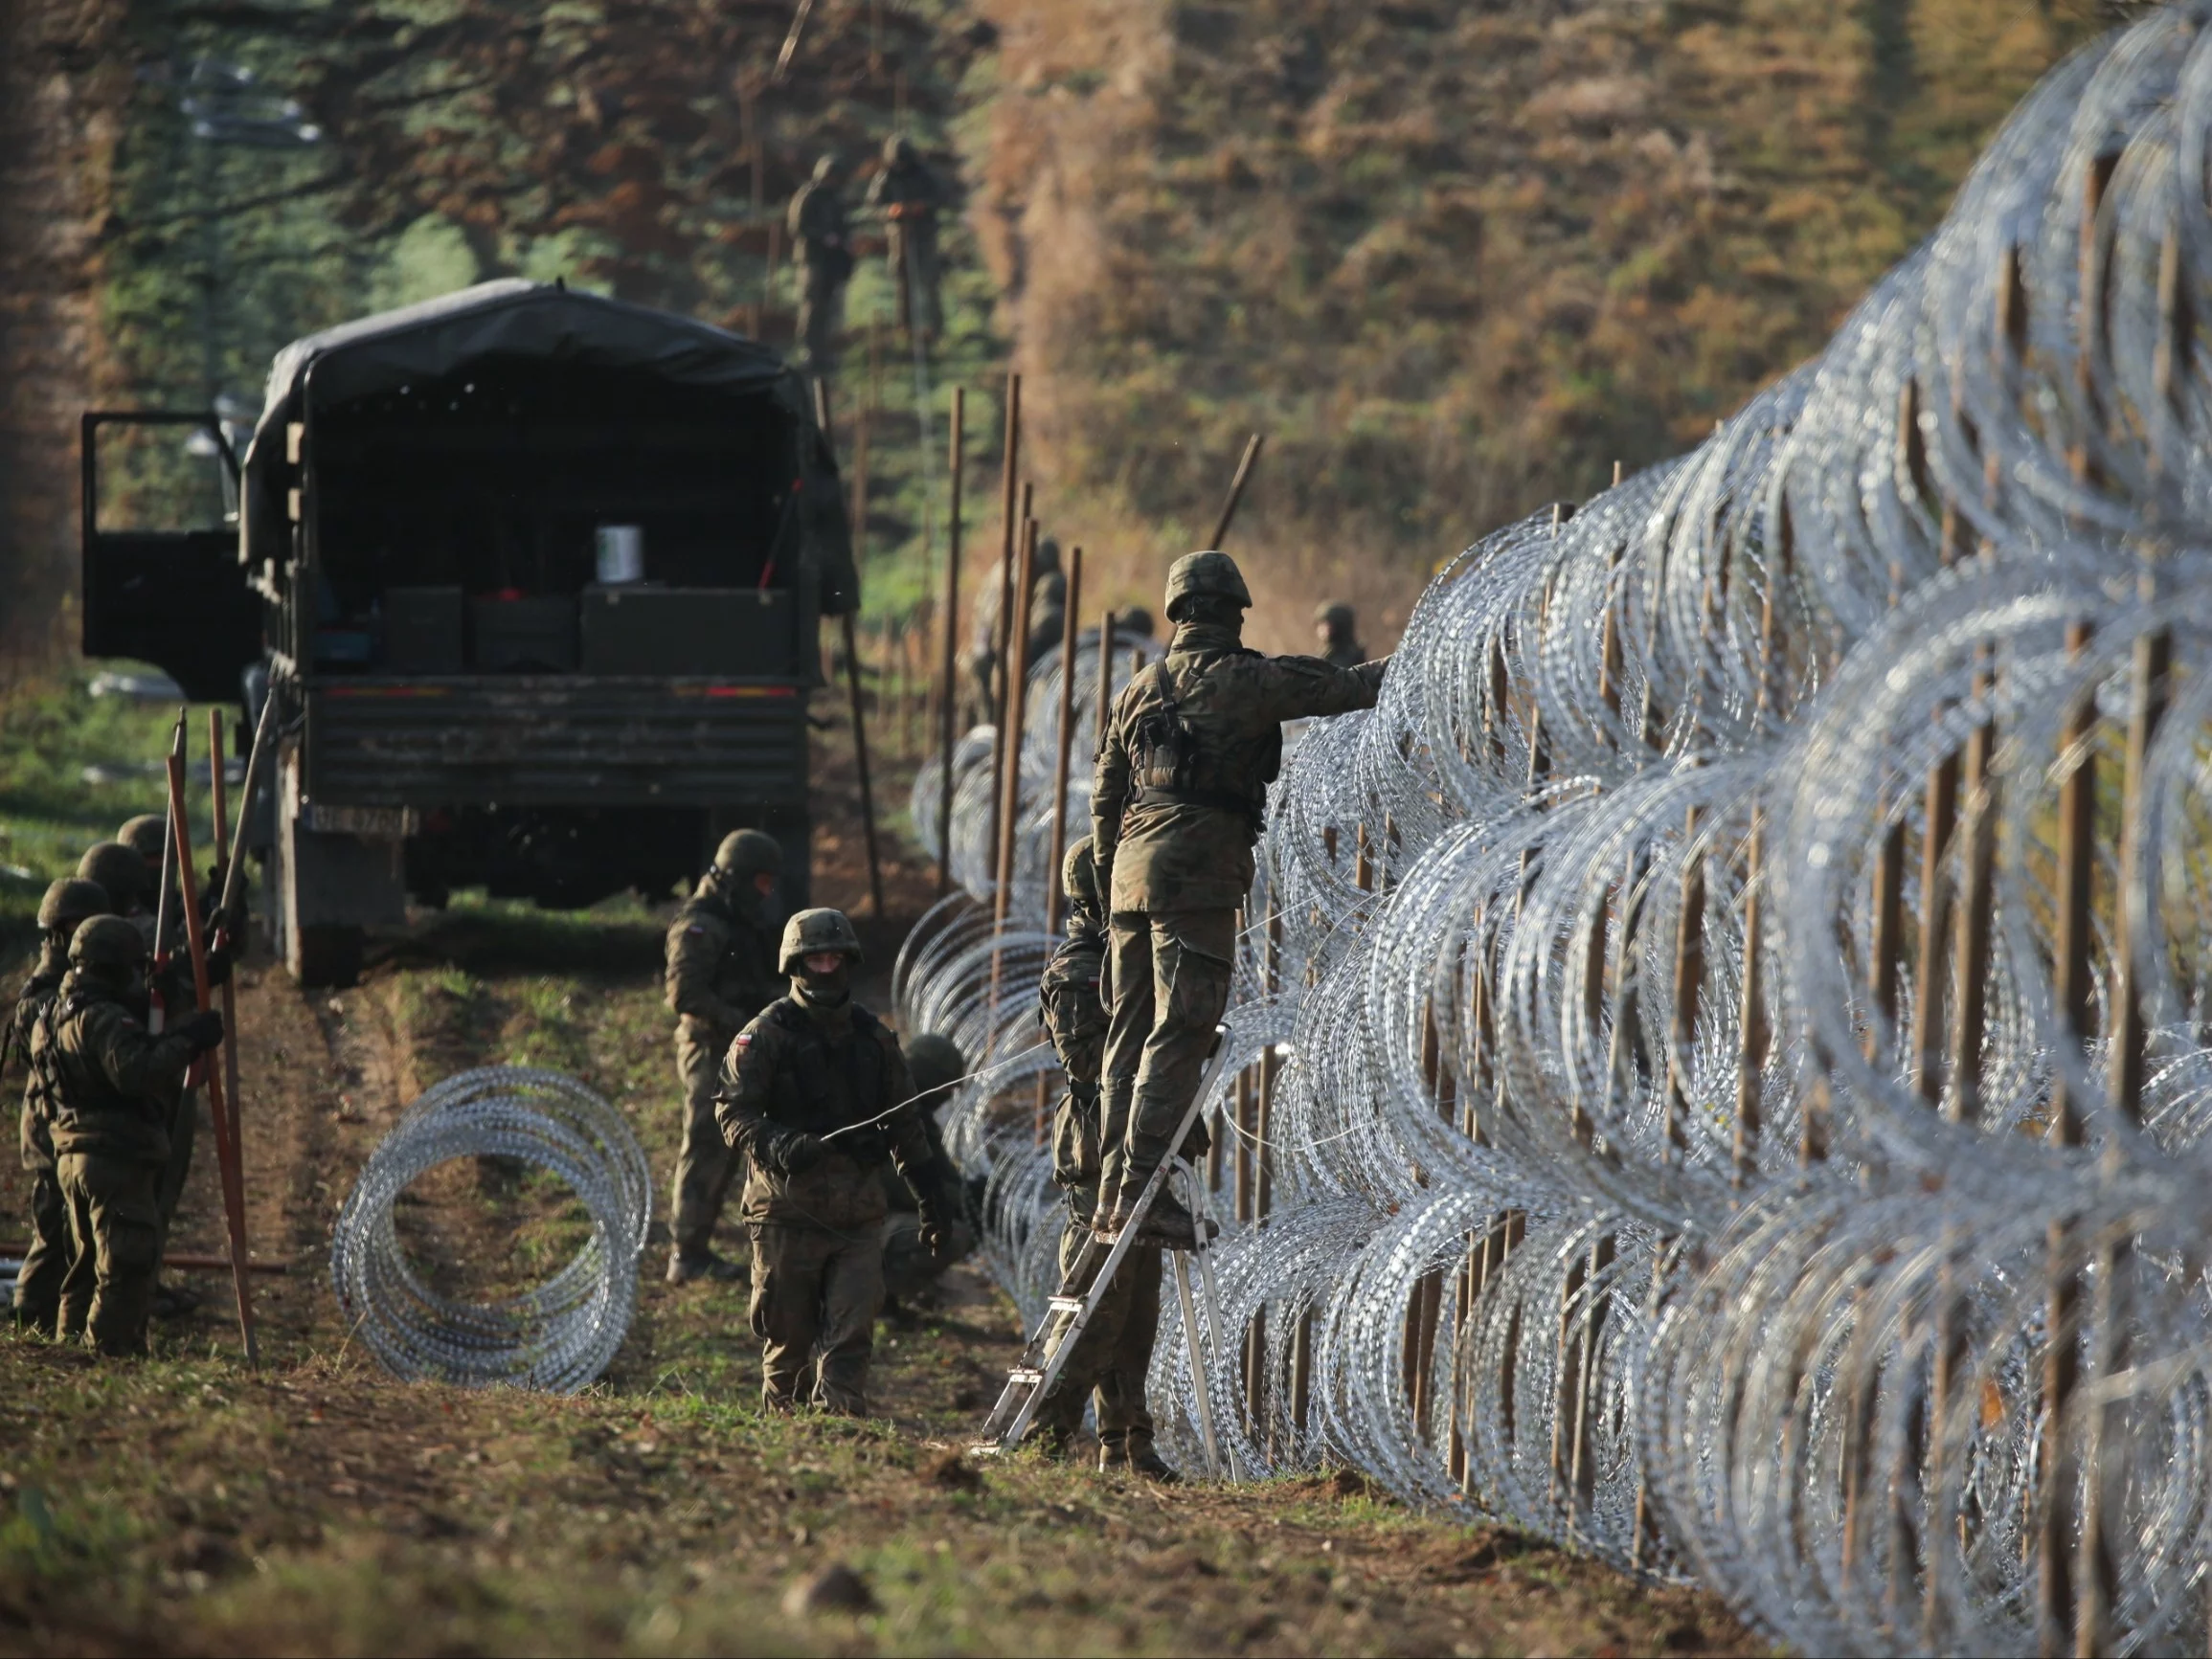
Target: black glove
[[1199, 1142], [202, 1031], [218, 964], [798, 1151]]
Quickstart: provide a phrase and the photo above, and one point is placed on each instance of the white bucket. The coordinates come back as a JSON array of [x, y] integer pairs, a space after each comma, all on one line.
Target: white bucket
[[622, 553]]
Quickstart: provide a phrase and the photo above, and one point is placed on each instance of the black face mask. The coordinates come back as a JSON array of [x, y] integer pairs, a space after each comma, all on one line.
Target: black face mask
[[824, 990]]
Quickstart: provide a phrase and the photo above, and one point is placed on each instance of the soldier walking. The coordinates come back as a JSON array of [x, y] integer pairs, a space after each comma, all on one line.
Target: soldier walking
[[815, 1095], [1180, 796], [1336, 627], [721, 972], [67, 904], [107, 1086], [1115, 1351], [909, 195], [821, 237]]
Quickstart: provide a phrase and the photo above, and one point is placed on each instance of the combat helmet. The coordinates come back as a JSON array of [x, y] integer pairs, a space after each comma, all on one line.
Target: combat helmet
[[897, 149], [120, 872], [106, 943], [1205, 576], [1336, 616], [69, 902], [145, 835], [935, 1062], [749, 852], [1079, 879], [824, 166], [818, 929]]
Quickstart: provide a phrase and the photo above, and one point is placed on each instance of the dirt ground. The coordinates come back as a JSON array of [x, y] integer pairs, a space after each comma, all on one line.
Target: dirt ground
[[317, 1505]]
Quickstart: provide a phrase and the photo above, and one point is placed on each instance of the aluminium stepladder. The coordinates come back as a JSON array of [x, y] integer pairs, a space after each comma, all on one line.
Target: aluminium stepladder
[[1069, 1310]]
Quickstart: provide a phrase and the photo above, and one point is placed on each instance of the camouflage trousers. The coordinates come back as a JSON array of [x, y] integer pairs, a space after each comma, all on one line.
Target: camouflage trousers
[[114, 1210], [39, 1281], [815, 1298], [1170, 972], [706, 1166], [912, 250], [820, 314], [1115, 1351]]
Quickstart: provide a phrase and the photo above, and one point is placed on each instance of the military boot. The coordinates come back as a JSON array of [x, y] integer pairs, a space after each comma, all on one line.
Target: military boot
[[1135, 1454], [1170, 1227], [682, 1268]]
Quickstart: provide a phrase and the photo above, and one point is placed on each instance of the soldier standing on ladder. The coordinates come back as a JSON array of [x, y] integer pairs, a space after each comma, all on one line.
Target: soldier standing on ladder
[[1181, 795]]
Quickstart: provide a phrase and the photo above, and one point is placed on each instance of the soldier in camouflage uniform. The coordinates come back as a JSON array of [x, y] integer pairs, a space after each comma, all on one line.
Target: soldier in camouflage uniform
[[108, 1086], [815, 1094], [721, 972], [131, 874], [1336, 627], [1179, 797], [1049, 599], [1115, 1349], [67, 903], [909, 195], [934, 1066], [821, 236]]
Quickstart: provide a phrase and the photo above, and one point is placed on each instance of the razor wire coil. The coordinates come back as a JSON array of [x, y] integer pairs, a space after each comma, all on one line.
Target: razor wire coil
[[561, 1335]]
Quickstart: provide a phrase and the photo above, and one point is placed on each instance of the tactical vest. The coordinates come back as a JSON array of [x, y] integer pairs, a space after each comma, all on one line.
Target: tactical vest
[[1171, 761], [73, 1087], [817, 1088]]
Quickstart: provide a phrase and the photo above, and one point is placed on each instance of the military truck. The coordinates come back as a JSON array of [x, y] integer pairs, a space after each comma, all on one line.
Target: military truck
[[535, 578]]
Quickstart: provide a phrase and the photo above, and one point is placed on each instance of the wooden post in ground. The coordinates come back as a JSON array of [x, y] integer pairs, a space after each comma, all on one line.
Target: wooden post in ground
[[948, 693], [1017, 703], [860, 757], [1068, 614], [1008, 523]]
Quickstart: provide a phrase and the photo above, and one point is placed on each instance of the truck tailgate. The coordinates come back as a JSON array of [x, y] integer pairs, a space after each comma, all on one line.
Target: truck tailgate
[[554, 740]]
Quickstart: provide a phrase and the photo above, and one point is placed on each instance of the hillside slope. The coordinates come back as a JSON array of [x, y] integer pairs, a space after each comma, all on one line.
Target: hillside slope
[[1454, 261]]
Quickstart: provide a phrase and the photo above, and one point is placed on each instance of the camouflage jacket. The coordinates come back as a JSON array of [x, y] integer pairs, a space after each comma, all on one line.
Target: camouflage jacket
[[797, 1071], [108, 1085], [721, 965], [910, 191], [1191, 743], [37, 993], [817, 223], [1074, 1009]]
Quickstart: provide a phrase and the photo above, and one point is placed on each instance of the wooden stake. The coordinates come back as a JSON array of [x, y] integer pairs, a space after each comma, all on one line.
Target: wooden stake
[[1236, 486], [219, 1106], [860, 756], [1017, 712], [949, 692], [1006, 542], [1068, 614]]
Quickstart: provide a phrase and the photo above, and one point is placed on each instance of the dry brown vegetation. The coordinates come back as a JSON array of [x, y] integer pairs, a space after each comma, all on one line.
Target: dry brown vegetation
[[1454, 261]]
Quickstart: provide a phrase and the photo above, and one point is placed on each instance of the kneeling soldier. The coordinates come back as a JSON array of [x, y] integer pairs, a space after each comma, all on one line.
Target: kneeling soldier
[[68, 904], [108, 1086], [1115, 1349], [815, 1094]]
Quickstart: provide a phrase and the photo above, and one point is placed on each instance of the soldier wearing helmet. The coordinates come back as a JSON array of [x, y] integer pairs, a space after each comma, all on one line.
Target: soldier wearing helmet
[[108, 1085], [1179, 797], [821, 237], [815, 1095], [1115, 1351], [1336, 627], [721, 972], [68, 902], [935, 1065], [121, 874], [909, 195]]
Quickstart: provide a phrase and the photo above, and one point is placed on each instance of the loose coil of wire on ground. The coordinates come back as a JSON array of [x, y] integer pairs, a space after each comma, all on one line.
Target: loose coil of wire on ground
[[559, 1336], [1728, 1040]]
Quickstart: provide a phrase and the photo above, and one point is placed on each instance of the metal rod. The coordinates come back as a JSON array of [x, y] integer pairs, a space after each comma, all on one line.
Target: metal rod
[[860, 756]]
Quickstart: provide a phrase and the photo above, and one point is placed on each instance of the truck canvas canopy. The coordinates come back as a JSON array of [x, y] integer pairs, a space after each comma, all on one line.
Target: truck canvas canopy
[[480, 437]]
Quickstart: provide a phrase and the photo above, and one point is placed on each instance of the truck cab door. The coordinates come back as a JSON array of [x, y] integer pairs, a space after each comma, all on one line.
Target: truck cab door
[[162, 578]]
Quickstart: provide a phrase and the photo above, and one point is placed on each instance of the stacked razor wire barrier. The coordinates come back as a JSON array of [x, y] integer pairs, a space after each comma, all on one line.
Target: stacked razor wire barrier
[[1729, 1037], [559, 1336]]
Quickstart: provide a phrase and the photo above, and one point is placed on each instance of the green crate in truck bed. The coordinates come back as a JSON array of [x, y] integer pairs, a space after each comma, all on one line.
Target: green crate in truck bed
[[569, 739]]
